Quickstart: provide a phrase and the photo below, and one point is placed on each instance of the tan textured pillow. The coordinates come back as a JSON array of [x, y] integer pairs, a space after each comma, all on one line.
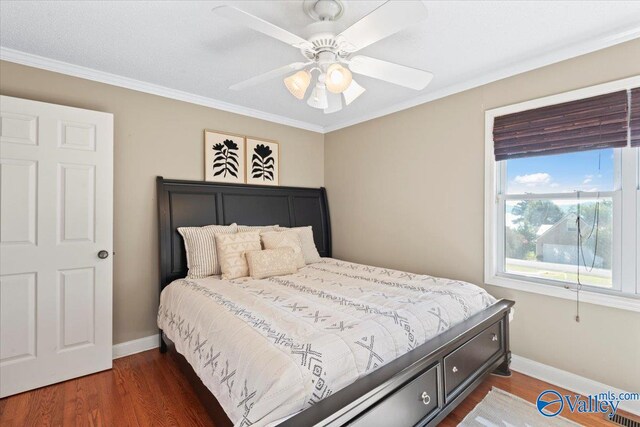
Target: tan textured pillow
[[231, 252], [284, 239], [309, 250], [271, 262], [260, 228], [200, 245]]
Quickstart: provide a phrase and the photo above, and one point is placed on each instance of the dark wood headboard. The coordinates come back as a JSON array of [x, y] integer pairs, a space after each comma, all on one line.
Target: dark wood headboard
[[199, 203]]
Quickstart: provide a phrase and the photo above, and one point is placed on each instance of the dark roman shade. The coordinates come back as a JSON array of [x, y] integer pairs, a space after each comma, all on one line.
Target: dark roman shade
[[634, 117], [587, 124]]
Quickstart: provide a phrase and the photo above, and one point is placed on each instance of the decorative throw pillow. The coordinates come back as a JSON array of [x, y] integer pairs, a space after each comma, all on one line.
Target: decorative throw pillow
[[200, 246], [309, 250], [259, 228], [284, 239], [271, 262], [231, 252]]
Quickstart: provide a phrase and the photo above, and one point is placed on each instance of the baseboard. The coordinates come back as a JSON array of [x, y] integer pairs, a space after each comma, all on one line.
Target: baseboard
[[570, 381], [135, 346]]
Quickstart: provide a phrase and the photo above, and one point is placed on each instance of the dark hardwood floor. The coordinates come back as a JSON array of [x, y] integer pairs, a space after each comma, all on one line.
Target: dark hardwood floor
[[147, 389]]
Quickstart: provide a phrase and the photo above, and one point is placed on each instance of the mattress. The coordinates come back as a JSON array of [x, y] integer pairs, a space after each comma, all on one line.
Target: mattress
[[269, 348]]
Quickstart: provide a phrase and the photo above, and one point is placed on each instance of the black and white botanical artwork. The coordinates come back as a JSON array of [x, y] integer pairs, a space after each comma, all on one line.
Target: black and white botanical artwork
[[262, 162], [224, 157]]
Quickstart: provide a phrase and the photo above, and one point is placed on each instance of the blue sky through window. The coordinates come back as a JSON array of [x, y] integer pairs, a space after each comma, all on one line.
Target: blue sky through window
[[581, 171]]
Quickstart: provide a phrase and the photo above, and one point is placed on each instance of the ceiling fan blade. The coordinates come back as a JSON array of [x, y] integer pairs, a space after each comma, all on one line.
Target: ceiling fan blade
[[386, 20], [243, 18], [269, 75], [390, 72], [334, 101]]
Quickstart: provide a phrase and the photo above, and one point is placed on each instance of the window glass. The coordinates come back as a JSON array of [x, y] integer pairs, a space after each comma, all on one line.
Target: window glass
[[583, 171], [542, 240]]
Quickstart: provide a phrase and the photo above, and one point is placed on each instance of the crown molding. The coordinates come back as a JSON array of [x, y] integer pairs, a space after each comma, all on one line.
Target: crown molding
[[61, 67], [572, 51]]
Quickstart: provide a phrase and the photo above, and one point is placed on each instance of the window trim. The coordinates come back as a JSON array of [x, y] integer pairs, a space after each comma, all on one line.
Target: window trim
[[629, 240]]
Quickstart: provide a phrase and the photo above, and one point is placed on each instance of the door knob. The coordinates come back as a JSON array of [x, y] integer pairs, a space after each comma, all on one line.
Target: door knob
[[103, 254]]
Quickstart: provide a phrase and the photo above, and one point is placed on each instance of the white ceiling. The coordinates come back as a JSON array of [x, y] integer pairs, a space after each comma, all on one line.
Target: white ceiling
[[182, 46]]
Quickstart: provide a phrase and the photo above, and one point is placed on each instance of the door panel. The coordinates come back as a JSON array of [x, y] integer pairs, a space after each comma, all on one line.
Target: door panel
[[18, 128], [18, 201], [18, 317], [56, 192], [78, 136], [76, 307], [77, 199]]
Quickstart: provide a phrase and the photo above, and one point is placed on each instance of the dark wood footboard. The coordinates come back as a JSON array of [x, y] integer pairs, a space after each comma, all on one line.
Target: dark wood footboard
[[419, 388]]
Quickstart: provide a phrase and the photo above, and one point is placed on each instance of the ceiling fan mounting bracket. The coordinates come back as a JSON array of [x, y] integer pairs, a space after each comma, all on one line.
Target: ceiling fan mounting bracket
[[324, 10]]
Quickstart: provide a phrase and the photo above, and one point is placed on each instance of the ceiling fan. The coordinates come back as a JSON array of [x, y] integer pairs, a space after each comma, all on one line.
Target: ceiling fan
[[331, 55]]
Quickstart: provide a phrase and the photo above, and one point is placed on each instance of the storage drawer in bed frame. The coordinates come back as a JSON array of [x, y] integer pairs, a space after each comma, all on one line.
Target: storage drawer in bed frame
[[410, 405], [463, 363]]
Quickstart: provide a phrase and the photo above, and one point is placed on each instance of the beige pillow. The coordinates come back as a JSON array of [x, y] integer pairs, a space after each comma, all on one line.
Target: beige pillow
[[309, 250], [200, 245], [284, 239], [260, 228], [271, 262], [231, 252]]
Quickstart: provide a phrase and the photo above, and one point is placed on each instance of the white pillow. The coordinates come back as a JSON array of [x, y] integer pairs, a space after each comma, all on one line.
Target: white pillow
[[284, 239], [271, 262], [231, 251], [200, 245], [309, 250]]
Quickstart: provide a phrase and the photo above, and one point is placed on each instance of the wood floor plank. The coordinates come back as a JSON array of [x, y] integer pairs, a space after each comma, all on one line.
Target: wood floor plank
[[148, 389]]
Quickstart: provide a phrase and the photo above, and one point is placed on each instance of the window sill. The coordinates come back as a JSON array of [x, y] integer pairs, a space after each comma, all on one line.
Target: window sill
[[630, 303]]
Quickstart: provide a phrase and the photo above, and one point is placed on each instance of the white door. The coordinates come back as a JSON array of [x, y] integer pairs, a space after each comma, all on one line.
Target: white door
[[56, 215]]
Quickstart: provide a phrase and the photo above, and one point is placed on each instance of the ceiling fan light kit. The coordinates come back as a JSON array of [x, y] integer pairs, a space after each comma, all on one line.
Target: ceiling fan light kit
[[338, 78], [298, 83], [331, 54], [318, 97]]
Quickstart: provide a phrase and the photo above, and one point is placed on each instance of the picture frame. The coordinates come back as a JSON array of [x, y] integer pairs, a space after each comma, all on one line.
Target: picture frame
[[263, 161], [224, 157]]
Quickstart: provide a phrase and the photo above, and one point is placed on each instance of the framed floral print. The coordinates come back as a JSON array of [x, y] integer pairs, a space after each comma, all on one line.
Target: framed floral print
[[263, 162], [224, 157]]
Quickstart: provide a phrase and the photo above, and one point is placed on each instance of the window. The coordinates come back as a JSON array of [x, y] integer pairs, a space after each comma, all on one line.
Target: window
[[542, 199], [562, 210]]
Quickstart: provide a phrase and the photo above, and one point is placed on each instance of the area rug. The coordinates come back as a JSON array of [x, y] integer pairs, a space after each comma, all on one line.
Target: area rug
[[499, 408]]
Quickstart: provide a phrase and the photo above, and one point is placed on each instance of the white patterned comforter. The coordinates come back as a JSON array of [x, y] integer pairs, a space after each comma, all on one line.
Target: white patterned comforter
[[269, 348]]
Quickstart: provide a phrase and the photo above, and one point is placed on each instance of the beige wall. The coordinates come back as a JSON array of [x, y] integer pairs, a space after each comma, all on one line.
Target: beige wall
[[407, 191], [155, 136]]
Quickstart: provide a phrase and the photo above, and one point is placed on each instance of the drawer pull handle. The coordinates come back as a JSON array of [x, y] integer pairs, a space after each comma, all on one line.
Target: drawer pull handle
[[454, 370], [494, 337], [426, 399]]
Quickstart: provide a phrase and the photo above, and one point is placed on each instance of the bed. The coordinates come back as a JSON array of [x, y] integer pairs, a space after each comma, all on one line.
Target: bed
[[336, 343]]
